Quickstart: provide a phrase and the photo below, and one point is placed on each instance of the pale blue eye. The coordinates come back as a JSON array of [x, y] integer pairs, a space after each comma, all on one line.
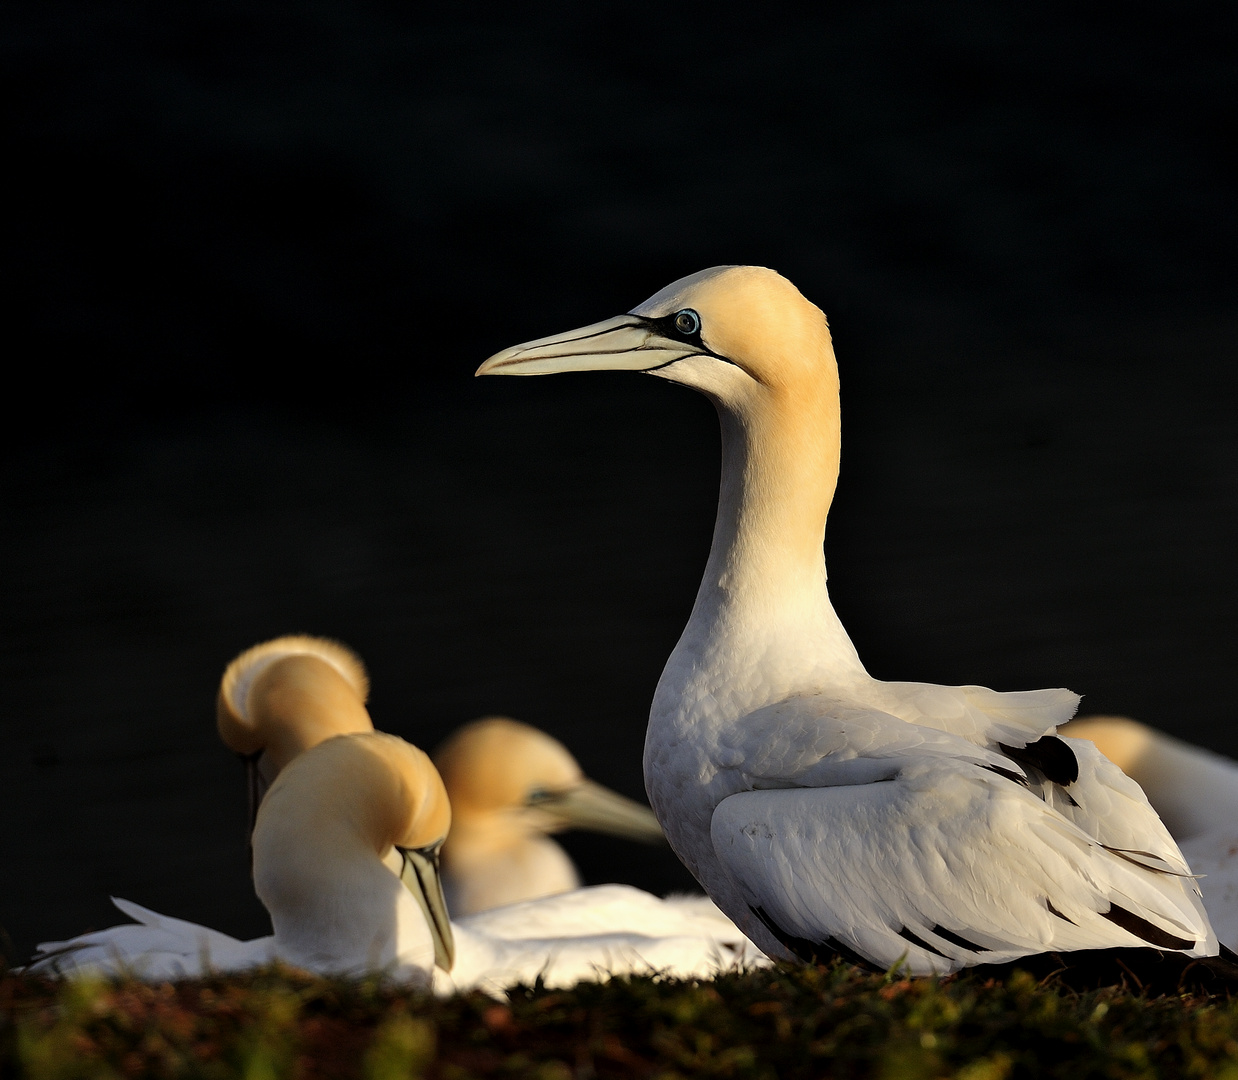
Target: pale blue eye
[[687, 322]]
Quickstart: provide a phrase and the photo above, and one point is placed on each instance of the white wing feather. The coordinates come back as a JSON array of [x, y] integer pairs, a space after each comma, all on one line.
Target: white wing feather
[[595, 933], [155, 947], [948, 845]]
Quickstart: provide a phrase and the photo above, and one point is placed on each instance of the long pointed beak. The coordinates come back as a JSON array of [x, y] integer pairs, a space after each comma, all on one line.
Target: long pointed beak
[[592, 806], [626, 343], [421, 877]]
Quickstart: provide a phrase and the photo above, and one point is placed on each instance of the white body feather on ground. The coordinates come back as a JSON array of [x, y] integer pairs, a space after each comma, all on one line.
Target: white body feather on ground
[[588, 935]]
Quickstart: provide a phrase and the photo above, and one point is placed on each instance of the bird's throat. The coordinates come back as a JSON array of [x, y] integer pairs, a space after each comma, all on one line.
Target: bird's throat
[[764, 589]]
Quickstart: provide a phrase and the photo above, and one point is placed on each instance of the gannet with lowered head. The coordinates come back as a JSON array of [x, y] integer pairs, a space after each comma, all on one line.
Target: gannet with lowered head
[[1194, 790], [346, 863], [510, 786], [825, 811], [282, 697]]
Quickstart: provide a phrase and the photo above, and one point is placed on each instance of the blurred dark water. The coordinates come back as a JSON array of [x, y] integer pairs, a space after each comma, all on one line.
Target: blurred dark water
[[254, 252]]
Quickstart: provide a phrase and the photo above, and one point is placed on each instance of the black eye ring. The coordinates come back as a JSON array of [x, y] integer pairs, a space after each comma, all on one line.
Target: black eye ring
[[687, 322]]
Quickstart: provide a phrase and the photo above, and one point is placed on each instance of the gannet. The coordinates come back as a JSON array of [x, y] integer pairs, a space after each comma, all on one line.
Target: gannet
[[1194, 790], [827, 812], [511, 785], [346, 863], [282, 697]]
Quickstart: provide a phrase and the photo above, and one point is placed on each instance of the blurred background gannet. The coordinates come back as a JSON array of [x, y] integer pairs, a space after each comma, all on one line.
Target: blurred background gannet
[[826, 812], [1194, 790], [282, 697], [510, 786]]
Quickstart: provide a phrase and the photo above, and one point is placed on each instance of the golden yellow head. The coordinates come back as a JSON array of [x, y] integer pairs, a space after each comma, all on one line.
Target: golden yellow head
[[289, 694], [497, 763], [506, 779], [747, 317], [377, 785]]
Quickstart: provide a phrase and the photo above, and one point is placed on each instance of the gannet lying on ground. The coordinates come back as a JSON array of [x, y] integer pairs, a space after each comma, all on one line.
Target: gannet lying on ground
[[511, 785], [1194, 790], [346, 862], [825, 811]]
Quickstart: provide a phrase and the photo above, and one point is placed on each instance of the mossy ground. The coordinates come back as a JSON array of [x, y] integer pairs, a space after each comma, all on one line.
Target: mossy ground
[[805, 1022]]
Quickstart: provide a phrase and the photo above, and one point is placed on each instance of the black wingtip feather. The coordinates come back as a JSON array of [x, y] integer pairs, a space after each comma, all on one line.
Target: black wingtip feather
[[814, 952], [1141, 928], [1050, 755]]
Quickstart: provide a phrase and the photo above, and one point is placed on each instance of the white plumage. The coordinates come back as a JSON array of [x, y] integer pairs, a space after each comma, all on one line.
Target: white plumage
[[344, 853], [1195, 791], [823, 810]]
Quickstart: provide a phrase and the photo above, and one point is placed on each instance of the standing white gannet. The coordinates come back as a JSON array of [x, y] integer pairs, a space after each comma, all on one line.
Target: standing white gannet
[[510, 786], [1194, 790], [346, 863], [823, 810], [282, 697]]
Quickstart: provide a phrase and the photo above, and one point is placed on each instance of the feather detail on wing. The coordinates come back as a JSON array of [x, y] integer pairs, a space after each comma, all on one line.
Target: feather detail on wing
[[1110, 807], [155, 947], [978, 714], [815, 741], [945, 865]]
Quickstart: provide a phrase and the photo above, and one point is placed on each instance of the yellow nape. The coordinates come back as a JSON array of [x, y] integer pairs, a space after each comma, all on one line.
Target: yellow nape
[[289, 694]]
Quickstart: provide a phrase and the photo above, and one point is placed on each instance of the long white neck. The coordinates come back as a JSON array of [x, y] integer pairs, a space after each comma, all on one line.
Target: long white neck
[[763, 601]]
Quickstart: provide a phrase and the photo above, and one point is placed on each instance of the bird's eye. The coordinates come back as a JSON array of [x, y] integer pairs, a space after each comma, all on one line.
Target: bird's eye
[[537, 795], [687, 322]]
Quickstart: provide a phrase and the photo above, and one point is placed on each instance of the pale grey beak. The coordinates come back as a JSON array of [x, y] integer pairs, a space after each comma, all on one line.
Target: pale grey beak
[[592, 806], [421, 877], [625, 343]]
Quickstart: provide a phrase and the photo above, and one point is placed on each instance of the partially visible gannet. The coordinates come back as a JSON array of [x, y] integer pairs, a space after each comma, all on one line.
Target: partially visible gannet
[[825, 811], [511, 785], [1194, 790], [284, 696]]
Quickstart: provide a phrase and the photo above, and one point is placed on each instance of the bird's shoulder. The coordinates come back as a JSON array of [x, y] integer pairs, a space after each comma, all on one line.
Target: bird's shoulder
[[824, 739], [978, 714]]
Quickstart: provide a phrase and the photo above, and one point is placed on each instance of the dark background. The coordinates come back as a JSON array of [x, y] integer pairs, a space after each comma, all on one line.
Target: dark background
[[254, 251]]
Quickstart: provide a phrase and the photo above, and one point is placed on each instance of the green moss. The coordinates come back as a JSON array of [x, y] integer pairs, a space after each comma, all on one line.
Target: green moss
[[784, 1023]]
